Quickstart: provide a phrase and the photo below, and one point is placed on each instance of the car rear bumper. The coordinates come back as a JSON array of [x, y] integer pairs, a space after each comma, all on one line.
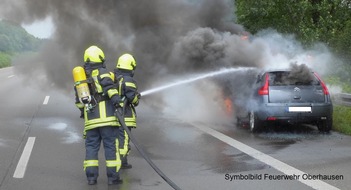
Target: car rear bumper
[[304, 113]]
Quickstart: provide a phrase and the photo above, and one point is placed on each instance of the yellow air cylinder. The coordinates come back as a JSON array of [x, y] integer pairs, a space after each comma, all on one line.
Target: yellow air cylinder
[[81, 85]]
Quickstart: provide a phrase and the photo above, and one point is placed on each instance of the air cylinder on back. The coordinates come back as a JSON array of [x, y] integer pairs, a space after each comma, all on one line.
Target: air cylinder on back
[[81, 85]]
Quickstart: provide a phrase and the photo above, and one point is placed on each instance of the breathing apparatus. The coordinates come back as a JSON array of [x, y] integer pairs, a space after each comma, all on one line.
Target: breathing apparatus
[[81, 84]]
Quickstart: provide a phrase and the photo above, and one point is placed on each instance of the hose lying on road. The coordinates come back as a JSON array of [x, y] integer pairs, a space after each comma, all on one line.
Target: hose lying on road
[[120, 115]]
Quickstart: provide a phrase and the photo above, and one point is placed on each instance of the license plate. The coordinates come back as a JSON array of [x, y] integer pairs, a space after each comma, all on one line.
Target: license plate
[[300, 109]]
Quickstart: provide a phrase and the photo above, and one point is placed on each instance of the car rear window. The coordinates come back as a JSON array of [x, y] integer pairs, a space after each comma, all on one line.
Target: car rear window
[[282, 78]]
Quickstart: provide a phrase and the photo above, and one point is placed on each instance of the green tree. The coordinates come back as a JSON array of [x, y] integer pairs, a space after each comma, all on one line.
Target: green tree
[[5, 60], [311, 21], [5, 43], [15, 40]]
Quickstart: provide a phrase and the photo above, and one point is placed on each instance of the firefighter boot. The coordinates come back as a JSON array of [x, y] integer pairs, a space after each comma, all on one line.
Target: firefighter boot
[[92, 177], [125, 164], [92, 182], [115, 181]]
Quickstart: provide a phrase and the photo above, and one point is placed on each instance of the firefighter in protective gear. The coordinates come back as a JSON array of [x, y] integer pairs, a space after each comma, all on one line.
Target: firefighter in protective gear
[[127, 89], [100, 122]]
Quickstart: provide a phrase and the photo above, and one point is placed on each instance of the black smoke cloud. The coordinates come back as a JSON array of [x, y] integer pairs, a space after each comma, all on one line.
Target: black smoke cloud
[[164, 35], [300, 73]]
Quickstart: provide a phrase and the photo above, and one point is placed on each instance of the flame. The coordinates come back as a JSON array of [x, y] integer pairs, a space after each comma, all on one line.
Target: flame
[[244, 37], [228, 106]]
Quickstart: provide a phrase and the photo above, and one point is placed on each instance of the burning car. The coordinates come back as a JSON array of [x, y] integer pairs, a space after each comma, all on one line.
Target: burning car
[[290, 96]]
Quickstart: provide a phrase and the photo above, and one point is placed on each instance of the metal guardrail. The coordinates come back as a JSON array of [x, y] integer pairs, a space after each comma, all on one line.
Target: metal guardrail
[[342, 99]]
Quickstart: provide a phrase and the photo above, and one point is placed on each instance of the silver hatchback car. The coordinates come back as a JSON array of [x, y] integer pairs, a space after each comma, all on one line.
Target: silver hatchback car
[[292, 97]]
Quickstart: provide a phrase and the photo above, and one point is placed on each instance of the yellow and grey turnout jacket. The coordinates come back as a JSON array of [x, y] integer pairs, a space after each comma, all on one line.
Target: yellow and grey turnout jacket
[[127, 88], [105, 96]]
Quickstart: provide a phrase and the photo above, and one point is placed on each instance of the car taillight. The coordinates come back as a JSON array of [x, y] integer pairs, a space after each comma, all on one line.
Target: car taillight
[[271, 118], [264, 89], [325, 89]]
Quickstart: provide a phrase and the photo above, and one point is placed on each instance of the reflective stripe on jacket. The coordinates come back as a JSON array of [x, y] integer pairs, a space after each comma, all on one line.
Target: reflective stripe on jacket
[[127, 88], [102, 115], [102, 89]]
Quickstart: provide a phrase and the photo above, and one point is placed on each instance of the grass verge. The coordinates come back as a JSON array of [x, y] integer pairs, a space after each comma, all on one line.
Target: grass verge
[[341, 119]]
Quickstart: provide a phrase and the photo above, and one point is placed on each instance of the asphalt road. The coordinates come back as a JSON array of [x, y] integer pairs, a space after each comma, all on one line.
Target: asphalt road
[[41, 148]]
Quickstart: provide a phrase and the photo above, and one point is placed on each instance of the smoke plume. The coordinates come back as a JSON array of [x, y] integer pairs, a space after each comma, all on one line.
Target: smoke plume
[[168, 38], [151, 30]]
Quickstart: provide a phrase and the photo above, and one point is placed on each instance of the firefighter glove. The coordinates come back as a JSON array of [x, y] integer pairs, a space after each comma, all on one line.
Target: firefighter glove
[[121, 103], [118, 105], [115, 101]]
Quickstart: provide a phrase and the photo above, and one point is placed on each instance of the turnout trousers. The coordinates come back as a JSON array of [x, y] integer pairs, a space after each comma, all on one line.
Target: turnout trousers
[[109, 136], [124, 140], [124, 144]]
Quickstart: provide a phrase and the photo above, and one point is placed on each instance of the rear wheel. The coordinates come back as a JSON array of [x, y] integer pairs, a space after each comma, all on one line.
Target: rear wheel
[[255, 123], [325, 125]]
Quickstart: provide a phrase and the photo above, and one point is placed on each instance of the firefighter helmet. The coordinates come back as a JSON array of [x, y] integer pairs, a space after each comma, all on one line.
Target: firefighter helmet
[[126, 62], [94, 55]]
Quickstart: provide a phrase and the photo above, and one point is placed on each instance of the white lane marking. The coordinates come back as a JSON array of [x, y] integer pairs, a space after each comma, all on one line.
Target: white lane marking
[[10, 76], [278, 165], [46, 100], [22, 163]]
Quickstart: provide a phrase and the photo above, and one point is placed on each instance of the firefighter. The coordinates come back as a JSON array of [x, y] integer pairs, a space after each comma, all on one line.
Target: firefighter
[[127, 89], [100, 122]]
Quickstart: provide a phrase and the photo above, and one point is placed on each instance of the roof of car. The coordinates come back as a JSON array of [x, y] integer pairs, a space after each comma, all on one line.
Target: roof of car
[[277, 70]]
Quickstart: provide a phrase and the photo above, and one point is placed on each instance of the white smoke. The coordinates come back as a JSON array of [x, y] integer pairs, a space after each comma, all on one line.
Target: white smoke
[[198, 102], [282, 50]]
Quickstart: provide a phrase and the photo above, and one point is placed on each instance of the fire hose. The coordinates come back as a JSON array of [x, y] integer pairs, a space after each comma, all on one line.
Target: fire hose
[[83, 93], [120, 115]]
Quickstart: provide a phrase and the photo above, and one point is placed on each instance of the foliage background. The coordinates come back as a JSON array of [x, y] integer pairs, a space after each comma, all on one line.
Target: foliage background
[[15, 40], [311, 21]]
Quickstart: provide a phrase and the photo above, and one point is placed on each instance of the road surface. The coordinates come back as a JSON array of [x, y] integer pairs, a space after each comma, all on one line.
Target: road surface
[[41, 147]]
